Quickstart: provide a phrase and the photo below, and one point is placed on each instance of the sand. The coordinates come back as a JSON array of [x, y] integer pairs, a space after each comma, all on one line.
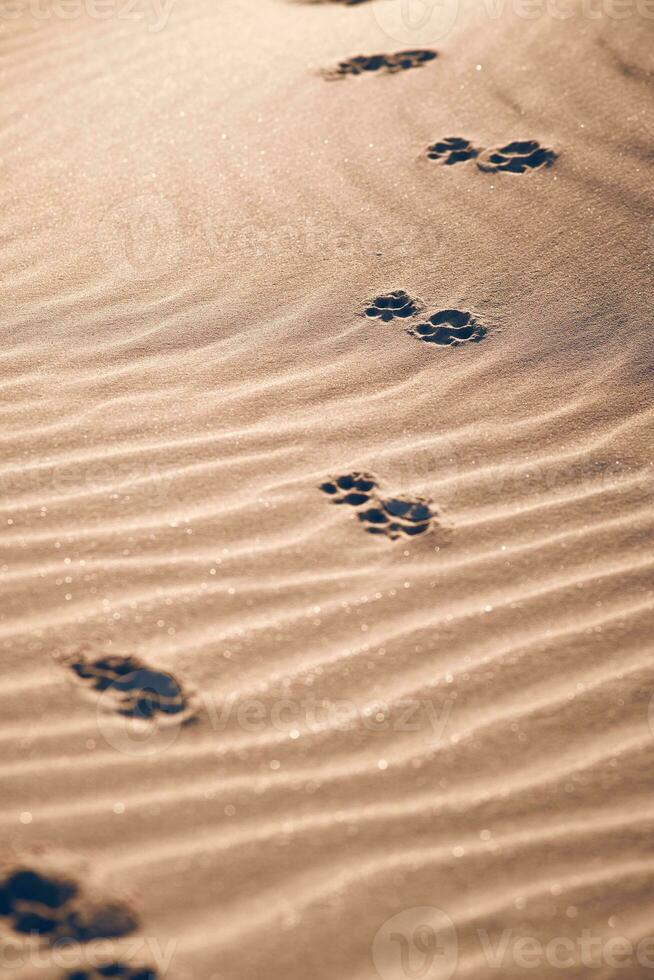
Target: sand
[[377, 756]]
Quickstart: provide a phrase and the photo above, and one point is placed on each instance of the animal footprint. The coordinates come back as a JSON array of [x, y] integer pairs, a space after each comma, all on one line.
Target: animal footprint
[[136, 690], [516, 157], [354, 489], [452, 149], [393, 516], [46, 897], [114, 969], [398, 303], [449, 328], [398, 517], [388, 63]]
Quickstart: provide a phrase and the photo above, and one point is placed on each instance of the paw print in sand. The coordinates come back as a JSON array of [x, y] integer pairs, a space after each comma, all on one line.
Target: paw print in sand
[[398, 517], [391, 305], [47, 896], [134, 689], [395, 517], [452, 149], [387, 63], [353, 488], [449, 328], [516, 157], [113, 969]]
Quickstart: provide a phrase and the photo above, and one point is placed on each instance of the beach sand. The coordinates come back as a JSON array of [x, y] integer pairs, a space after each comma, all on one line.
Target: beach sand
[[386, 755]]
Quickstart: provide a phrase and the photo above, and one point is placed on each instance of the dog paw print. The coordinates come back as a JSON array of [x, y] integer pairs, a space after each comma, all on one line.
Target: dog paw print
[[391, 305], [516, 157], [353, 488], [387, 63], [449, 328], [134, 689], [43, 898], [451, 150], [113, 969], [398, 517], [395, 517]]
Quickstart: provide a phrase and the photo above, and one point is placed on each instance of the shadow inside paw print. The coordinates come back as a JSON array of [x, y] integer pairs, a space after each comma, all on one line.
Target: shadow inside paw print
[[398, 517], [33, 901], [138, 691], [115, 969], [41, 899], [395, 517], [353, 488], [448, 328], [516, 157], [389, 63], [451, 150], [387, 307]]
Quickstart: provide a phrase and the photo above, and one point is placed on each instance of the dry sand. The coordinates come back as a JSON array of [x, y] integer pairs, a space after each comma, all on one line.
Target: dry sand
[[194, 219]]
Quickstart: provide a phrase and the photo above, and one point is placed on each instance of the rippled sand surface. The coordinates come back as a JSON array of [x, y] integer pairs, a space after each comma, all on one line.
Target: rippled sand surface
[[452, 727]]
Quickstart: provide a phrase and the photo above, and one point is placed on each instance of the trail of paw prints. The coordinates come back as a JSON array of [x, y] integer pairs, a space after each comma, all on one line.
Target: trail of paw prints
[[51, 897], [449, 328], [112, 969], [390, 305], [394, 517], [134, 689], [516, 157], [386, 63]]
